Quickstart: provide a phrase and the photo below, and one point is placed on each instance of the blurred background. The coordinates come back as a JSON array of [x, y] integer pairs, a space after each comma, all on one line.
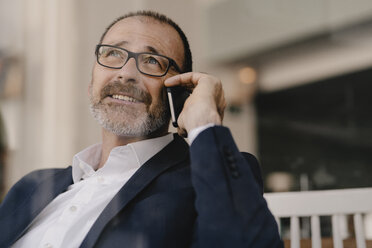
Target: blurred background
[[297, 76]]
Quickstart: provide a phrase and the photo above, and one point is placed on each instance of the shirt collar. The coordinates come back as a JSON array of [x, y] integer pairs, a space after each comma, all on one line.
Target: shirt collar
[[85, 163], [145, 149]]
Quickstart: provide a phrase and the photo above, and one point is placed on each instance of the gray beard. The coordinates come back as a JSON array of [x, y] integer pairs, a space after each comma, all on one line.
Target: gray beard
[[136, 123]]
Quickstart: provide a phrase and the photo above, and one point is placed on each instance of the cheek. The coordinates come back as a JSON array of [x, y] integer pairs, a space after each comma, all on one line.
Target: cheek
[[157, 92], [94, 91], [94, 86], [98, 80]]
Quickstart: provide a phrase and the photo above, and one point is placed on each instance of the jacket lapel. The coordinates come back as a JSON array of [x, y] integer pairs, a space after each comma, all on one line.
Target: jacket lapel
[[172, 154], [27, 198]]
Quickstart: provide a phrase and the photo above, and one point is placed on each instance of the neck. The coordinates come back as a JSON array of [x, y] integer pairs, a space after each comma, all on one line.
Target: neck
[[110, 140]]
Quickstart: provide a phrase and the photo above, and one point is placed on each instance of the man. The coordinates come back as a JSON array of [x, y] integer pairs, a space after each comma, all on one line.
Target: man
[[143, 187]]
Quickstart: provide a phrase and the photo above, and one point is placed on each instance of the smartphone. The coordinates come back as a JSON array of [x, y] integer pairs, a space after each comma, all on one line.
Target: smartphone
[[177, 96]]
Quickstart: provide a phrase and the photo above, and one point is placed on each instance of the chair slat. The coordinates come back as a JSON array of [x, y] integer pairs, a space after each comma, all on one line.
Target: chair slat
[[295, 232], [316, 241], [337, 241], [359, 231]]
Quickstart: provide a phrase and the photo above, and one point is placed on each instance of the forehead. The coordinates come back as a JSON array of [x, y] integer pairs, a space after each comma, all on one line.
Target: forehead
[[138, 33]]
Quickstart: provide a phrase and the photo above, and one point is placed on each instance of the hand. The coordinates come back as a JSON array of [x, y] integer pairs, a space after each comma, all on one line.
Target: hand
[[205, 105]]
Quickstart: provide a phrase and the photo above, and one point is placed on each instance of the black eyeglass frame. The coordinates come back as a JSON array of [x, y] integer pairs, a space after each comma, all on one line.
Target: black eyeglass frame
[[135, 56]]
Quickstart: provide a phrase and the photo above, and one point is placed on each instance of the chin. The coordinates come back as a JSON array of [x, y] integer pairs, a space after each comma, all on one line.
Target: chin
[[131, 122]]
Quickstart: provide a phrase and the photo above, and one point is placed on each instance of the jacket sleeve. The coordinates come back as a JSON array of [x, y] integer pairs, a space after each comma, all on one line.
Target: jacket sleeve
[[229, 202]]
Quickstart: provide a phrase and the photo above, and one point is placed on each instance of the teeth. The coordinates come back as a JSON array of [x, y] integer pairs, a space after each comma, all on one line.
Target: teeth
[[124, 98]]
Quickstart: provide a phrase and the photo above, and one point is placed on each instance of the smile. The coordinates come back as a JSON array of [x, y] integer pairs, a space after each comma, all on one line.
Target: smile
[[124, 98]]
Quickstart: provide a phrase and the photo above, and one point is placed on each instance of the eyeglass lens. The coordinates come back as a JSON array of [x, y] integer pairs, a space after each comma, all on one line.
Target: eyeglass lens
[[146, 62]]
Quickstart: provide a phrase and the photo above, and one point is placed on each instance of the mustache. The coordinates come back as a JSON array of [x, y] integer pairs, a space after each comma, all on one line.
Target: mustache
[[126, 89]]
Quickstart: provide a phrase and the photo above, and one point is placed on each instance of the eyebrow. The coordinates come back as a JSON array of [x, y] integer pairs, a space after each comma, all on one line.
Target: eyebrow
[[152, 49], [147, 48], [120, 43]]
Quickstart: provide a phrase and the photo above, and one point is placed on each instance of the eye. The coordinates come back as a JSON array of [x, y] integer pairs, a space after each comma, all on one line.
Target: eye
[[151, 60], [112, 53], [148, 61]]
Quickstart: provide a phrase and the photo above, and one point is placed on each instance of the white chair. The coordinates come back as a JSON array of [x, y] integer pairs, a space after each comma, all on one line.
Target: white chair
[[335, 203]]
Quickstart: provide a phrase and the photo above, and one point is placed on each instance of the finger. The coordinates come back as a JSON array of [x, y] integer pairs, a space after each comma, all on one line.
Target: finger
[[182, 132], [221, 107], [189, 79]]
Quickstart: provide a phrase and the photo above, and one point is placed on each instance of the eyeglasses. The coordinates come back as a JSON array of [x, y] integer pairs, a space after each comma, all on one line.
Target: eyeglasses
[[147, 63]]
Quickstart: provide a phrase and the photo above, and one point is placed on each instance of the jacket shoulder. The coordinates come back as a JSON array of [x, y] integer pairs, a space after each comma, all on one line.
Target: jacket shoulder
[[27, 184]]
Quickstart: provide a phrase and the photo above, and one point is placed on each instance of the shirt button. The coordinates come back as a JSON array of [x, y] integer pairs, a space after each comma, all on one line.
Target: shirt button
[[73, 208], [48, 245], [100, 179]]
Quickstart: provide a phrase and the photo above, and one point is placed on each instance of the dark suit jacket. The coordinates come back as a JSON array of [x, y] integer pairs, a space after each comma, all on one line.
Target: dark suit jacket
[[207, 196]]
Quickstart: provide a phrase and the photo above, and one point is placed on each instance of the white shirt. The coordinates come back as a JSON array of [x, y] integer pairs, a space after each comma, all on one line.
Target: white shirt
[[66, 220]]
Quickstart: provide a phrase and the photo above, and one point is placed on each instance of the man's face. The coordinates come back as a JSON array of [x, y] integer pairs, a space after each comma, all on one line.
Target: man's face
[[125, 101]]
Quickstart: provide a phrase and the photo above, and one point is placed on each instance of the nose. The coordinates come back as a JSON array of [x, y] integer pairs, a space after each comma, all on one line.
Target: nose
[[129, 71]]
